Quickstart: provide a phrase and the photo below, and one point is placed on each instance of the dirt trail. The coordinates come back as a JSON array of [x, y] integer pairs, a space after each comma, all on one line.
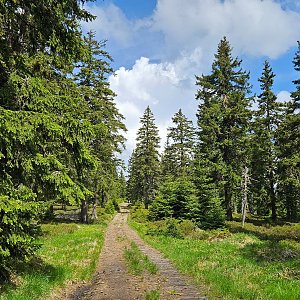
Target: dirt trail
[[112, 280]]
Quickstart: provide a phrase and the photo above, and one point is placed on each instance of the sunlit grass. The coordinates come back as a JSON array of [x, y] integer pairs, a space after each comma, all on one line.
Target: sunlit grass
[[237, 266], [69, 253]]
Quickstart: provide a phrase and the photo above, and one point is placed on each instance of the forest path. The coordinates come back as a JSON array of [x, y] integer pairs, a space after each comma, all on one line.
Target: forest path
[[112, 281]]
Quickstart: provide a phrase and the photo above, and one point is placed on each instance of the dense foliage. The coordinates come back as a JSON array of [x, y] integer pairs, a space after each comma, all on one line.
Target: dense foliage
[[60, 129], [263, 148], [288, 142], [223, 119], [242, 157]]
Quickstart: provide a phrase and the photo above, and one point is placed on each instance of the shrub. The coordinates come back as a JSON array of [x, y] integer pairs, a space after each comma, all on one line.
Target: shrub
[[176, 198], [187, 227], [199, 234], [111, 206], [160, 209], [219, 234], [269, 232], [168, 227], [172, 228], [139, 214], [212, 215], [18, 230]]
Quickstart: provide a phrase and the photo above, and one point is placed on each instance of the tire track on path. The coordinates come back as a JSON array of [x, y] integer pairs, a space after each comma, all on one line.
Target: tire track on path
[[112, 281]]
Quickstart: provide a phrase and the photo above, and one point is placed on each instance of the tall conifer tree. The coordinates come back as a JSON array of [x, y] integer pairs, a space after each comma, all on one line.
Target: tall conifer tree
[[134, 187], [264, 153], [223, 118], [289, 154], [48, 124], [38, 117], [145, 161], [103, 115], [177, 190]]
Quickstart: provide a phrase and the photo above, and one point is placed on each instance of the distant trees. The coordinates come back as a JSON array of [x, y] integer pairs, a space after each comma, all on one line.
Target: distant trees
[[239, 155], [179, 150], [144, 164], [177, 190]]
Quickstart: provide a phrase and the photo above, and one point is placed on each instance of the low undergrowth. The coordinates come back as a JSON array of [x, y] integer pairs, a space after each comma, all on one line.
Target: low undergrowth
[[69, 253], [137, 262], [268, 232], [253, 262], [153, 295]]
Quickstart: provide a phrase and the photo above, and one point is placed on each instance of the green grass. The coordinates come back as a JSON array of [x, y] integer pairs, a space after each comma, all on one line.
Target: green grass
[[152, 295], [239, 265], [137, 262], [69, 253]]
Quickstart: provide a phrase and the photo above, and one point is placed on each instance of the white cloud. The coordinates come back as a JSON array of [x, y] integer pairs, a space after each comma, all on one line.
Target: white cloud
[[253, 26], [111, 23], [165, 87], [284, 96]]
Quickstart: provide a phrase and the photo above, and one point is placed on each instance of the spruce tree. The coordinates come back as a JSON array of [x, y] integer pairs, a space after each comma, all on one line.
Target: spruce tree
[[223, 118], [101, 112], [210, 215], [179, 150], [264, 152], [177, 191], [134, 186], [48, 125], [38, 118], [289, 154], [167, 160], [146, 159], [176, 198]]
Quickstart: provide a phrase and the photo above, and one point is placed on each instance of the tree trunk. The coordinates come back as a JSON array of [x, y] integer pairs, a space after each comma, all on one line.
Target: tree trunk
[[228, 201], [146, 200], [245, 195], [147, 191], [84, 212], [94, 211], [102, 198], [273, 196], [291, 208], [50, 212]]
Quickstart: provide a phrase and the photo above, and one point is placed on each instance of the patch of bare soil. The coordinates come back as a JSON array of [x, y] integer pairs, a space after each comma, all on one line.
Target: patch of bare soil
[[112, 281]]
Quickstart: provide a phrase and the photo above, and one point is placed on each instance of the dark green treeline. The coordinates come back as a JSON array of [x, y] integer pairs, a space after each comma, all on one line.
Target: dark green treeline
[[244, 147]]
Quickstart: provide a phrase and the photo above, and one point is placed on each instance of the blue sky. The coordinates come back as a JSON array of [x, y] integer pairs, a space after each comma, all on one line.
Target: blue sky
[[158, 47], [133, 9]]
